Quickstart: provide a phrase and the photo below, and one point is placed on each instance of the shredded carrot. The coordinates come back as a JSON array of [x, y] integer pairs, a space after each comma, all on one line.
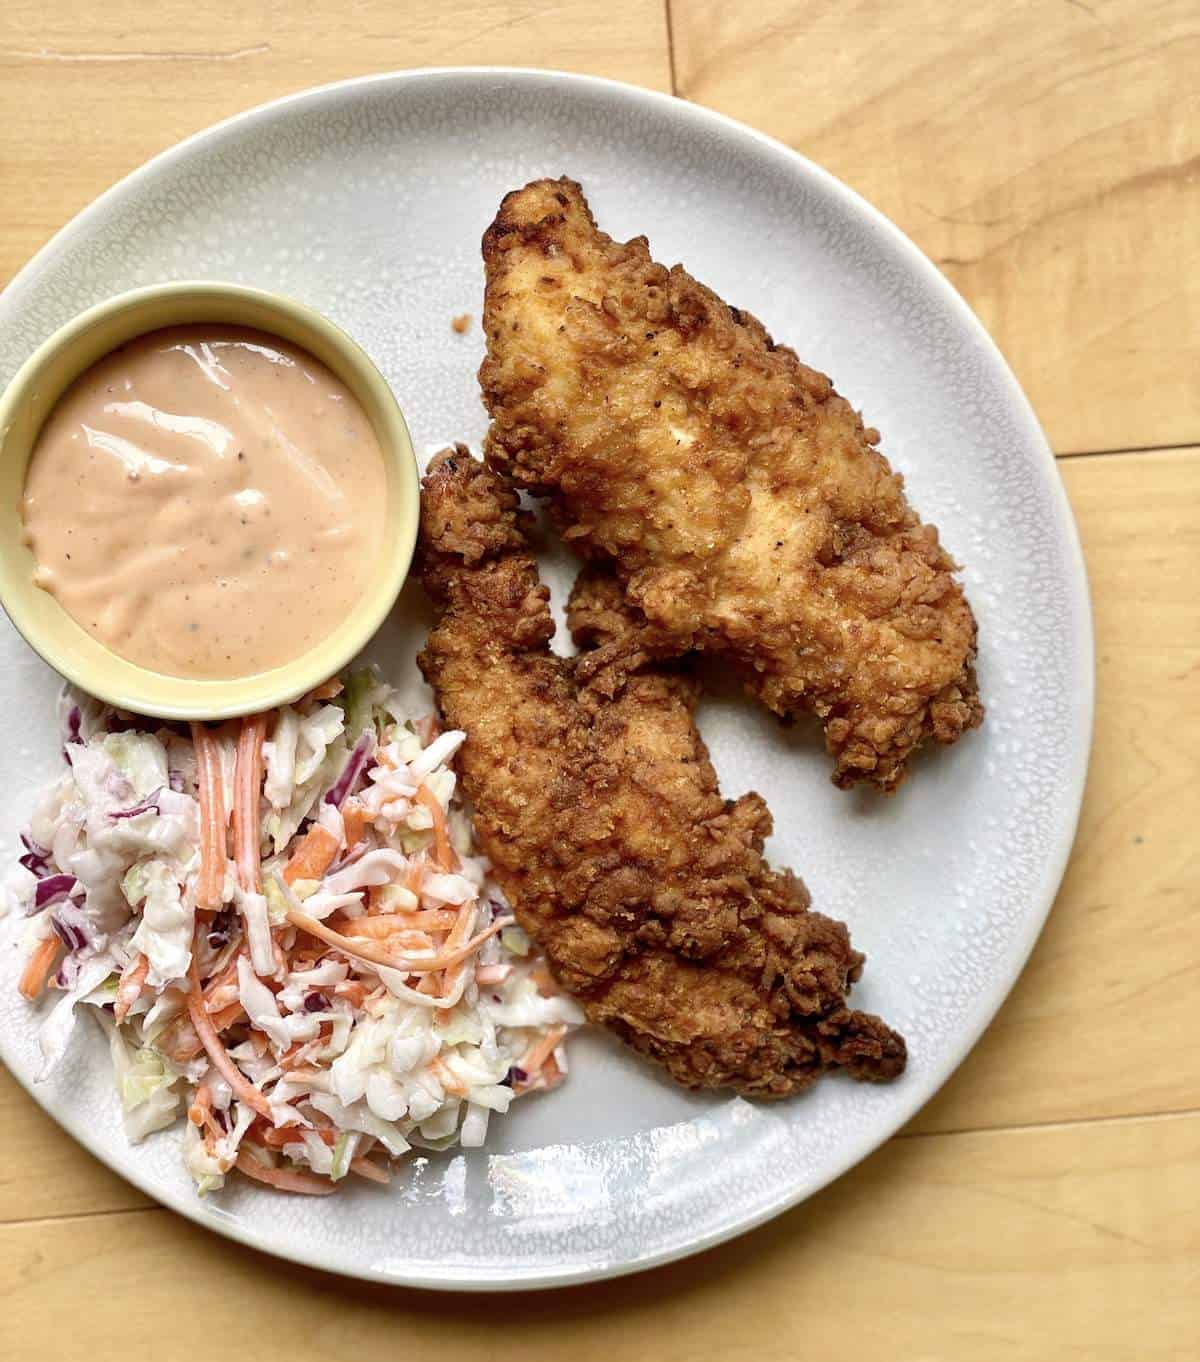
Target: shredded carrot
[[284, 1179], [417, 919], [277, 1136], [217, 990], [414, 875], [209, 886], [179, 1040], [464, 921], [362, 949], [241, 1085], [304, 957], [133, 976], [366, 1169], [492, 974], [354, 820], [381, 927], [294, 1055], [248, 791], [353, 990], [541, 1052], [429, 919], [551, 1074], [200, 1113], [37, 969], [444, 852], [227, 1017], [447, 1079], [313, 857], [325, 691], [547, 1077]]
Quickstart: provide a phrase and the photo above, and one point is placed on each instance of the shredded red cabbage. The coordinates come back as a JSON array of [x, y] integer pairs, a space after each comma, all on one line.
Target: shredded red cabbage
[[150, 802], [69, 933], [53, 889], [348, 781], [316, 1002], [36, 859], [68, 972], [354, 854], [219, 929]]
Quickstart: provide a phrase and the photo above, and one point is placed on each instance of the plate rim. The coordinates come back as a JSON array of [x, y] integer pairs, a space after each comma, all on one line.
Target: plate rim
[[453, 1278]]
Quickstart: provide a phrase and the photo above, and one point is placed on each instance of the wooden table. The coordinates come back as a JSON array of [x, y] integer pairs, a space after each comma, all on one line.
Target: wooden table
[[1047, 1204]]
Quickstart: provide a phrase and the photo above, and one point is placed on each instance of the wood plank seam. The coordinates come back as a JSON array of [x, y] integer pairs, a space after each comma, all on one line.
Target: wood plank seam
[[27, 1222], [1067, 1123], [1128, 449], [671, 48]]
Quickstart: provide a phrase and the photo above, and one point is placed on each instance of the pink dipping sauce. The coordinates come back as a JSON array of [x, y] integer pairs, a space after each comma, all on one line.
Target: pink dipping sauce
[[207, 501]]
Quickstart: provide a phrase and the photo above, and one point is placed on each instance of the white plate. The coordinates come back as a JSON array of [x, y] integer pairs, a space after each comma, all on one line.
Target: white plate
[[367, 200]]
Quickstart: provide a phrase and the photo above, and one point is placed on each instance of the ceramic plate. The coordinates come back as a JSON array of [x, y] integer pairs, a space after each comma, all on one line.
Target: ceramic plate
[[367, 200]]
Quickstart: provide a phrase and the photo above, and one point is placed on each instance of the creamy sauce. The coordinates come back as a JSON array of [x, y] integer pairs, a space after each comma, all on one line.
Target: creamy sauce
[[206, 501]]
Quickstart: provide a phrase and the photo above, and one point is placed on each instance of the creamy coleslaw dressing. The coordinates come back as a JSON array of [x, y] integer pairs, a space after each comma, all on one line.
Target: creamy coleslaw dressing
[[207, 501]]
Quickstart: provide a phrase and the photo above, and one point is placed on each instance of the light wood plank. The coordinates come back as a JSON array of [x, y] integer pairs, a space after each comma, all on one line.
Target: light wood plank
[[1044, 154], [89, 92], [1099, 1023], [1076, 1242], [45, 1172]]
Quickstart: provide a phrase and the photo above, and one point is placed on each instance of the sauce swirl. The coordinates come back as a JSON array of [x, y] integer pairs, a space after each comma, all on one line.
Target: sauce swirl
[[206, 501]]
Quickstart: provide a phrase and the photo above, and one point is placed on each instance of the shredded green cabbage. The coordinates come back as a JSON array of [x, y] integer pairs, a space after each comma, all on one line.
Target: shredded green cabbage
[[341, 1156], [515, 940]]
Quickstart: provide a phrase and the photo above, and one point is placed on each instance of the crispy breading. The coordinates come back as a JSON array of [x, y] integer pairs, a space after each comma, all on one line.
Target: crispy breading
[[746, 507], [597, 804]]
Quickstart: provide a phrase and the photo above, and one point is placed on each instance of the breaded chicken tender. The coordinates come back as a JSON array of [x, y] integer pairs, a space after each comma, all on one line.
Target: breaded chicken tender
[[597, 804], [745, 507]]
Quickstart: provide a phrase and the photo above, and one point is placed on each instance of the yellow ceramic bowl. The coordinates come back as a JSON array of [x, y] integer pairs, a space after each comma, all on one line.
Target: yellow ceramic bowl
[[31, 396]]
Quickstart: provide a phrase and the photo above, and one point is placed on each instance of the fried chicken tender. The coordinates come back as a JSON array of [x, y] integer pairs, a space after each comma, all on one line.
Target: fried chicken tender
[[598, 806], [746, 508]]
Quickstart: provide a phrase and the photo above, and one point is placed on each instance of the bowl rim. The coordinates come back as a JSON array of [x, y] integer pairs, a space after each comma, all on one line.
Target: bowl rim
[[88, 663]]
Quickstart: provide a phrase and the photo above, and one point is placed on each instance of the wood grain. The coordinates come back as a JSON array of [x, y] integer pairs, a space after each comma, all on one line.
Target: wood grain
[[47, 1173], [1046, 155], [1073, 1242], [87, 93]]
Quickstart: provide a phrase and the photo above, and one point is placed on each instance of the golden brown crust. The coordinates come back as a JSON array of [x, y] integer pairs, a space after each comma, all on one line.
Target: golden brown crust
[[746, 507], [596, 801]]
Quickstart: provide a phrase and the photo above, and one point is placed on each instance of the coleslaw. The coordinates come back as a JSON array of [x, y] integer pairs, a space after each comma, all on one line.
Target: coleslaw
[[285, 929]]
